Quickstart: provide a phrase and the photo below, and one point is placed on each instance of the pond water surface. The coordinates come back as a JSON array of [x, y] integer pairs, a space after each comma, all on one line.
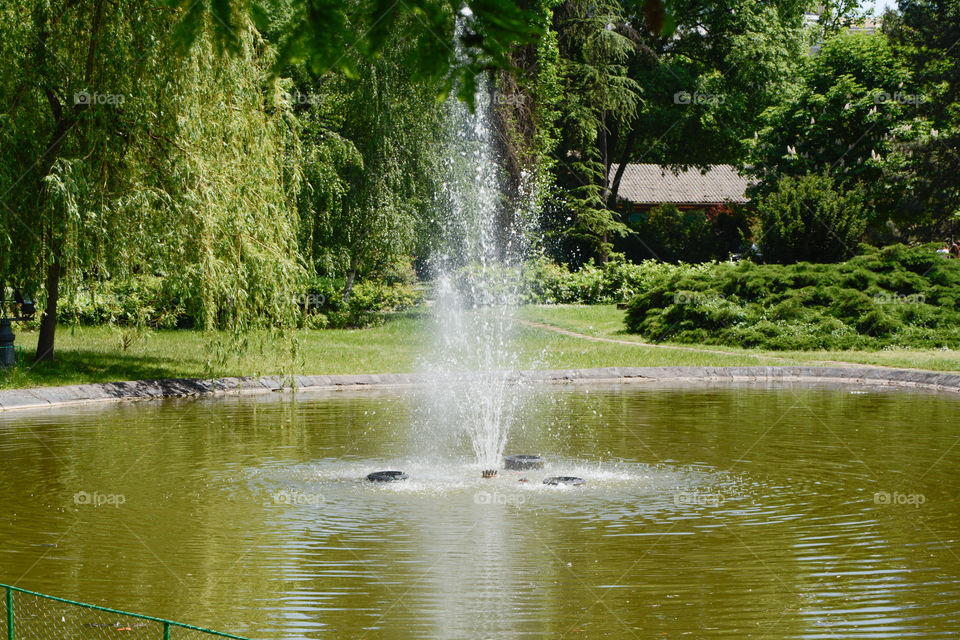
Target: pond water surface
[[709, 512]]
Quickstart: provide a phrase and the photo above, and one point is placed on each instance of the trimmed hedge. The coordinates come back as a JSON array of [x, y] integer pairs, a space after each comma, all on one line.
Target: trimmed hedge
[[897, 296]]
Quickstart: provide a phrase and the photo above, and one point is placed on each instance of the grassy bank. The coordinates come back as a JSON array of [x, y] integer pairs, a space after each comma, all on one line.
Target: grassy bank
[[96, 354], [606, 321]]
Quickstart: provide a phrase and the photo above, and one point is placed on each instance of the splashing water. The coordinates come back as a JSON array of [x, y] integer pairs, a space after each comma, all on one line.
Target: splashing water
[[477, 278]]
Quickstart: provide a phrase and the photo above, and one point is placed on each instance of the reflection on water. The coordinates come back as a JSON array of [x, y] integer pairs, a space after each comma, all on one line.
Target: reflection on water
[[708, 512]]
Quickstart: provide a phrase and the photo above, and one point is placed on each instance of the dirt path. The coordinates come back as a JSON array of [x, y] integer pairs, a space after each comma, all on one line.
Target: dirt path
[[634, 343]]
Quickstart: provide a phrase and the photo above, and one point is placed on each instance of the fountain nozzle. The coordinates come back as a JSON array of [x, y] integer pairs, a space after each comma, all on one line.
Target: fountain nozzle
[[489, 473]]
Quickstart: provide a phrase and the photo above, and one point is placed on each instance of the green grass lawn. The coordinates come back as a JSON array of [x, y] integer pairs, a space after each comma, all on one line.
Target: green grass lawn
[[606, 321], [95, 354]]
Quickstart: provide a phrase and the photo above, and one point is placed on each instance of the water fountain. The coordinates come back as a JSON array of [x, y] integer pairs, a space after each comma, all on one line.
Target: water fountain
[[478, 280], [304, 547]]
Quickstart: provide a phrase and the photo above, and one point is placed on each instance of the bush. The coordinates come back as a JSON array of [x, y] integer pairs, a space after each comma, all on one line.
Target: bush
[[615, 281], [893, 297], [543, 281], [368, 301], [147, 301], [142, 301], [692, 235], [806, 218]]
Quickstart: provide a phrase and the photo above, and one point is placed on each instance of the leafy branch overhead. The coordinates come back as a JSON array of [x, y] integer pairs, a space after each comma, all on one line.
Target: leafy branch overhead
[[321, 33]]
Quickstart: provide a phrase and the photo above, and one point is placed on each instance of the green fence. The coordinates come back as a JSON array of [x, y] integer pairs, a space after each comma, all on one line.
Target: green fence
[[33, 616]]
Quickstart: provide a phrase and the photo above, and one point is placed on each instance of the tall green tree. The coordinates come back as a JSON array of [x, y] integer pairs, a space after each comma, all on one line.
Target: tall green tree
[[370, 152], [854, 111], [66, 138], [118, 160], [598, 93], [698, 88], [925, 33], [710, 80]]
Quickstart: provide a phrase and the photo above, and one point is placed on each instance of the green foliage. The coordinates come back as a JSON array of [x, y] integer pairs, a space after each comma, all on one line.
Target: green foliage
[[172, 165], [690, 235], [151, 302], [524, 114], [614, 281], [807, 219], [851, 117], [317, 33], [78, 177], [925, 34], [370, 168], [836, 16], [893, 297], [236, 222], [324, 306], [142, 301], [598, 93], [543, 281], [623, 100], [727, 63]]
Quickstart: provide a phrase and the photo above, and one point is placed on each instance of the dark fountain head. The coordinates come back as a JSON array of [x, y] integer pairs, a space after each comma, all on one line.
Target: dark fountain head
[[387, 476]]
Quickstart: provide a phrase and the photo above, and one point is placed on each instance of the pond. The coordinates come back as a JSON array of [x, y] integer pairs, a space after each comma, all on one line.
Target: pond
[[709, 511]]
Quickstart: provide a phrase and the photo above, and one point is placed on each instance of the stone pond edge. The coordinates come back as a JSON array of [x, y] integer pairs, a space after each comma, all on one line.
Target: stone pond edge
[[185, 387]]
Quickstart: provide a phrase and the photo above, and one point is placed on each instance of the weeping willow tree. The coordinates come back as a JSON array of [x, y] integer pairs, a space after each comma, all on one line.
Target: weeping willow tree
[[233, 189], [370, 165], [330, 164], [120, 160]]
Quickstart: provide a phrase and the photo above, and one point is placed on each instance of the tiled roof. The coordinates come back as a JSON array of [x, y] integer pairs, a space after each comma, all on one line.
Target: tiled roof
[[651, 184]]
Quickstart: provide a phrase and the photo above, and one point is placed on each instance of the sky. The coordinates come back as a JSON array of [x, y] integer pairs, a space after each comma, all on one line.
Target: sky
[[878, 6]]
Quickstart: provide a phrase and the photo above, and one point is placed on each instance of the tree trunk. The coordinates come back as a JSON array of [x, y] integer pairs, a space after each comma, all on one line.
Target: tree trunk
[[63, 126], [48, 321], [351, 275], [348, 286], [614, 190]]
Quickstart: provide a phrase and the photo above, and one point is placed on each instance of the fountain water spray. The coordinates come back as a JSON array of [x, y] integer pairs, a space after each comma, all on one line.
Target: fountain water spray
[[478, 280]]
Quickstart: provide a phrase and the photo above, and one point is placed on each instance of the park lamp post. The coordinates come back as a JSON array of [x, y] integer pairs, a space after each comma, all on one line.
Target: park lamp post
[[27, 309]]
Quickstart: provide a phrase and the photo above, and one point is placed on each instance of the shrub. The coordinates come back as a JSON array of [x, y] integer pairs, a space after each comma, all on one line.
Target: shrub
[[615, 281], [148, 301], [806, 218], [368, 301], [668, 233], [875, 300], [142, 301]]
